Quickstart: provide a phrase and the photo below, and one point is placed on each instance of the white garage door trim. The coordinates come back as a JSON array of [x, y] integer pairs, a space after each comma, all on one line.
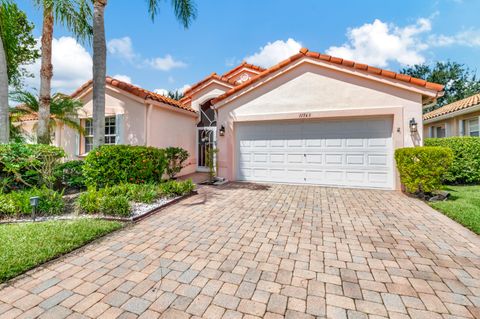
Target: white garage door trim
[[345, 153]]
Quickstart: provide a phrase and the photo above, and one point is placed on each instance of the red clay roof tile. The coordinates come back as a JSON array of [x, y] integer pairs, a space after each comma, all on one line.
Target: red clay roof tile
[[137, 91], [336, 60], [466, 103]]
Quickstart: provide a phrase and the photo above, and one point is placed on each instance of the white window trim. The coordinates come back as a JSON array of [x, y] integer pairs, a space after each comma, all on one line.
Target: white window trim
[[85, 136]]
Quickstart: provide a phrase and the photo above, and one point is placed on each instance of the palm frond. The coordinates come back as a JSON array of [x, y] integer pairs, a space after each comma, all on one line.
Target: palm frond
[[75, 15], [185, 10]]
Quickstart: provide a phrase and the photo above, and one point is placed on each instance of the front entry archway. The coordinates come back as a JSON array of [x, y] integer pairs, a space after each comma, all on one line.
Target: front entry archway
[[206, 135]]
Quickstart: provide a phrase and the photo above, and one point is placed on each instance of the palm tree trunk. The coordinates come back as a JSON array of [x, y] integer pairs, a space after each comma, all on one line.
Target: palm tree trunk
[[4, 111], [99, 72], [46, 73]]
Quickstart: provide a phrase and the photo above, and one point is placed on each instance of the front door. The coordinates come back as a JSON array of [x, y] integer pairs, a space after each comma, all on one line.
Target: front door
[[206, 141]]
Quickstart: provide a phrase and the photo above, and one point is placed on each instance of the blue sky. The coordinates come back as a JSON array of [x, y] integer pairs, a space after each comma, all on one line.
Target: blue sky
[[163, 55]]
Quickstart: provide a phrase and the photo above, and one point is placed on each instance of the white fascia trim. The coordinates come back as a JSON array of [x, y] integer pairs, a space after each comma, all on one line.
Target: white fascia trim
[[453, 114], [241, 70], [196, 90], [355, 72], [169, 107]]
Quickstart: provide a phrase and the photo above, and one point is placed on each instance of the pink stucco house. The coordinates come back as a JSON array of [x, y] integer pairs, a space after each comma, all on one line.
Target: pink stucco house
[[311, 119]]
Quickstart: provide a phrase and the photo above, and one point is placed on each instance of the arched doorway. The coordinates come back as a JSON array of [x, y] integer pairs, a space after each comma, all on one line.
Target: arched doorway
[[206, 134]]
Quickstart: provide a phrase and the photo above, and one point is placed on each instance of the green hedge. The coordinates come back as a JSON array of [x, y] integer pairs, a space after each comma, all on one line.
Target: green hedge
[[17, 204], [465, 168], [422, 169], [115, 200], [116, 164]]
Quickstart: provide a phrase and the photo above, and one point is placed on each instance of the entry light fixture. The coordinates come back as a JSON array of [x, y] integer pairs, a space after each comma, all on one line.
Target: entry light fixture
[[222, 131], [413, 126]]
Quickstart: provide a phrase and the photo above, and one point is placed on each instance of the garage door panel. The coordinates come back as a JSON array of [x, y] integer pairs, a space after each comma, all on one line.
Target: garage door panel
[[340, 153]]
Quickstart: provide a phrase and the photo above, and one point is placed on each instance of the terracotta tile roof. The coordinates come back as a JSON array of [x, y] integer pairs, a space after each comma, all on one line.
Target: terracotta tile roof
[[137, 91], [213, 76], [334, 60], [453, 107], [243, 65]]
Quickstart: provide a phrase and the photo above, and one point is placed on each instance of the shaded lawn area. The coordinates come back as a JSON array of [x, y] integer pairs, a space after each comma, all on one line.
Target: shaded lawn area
[[26, 245], [463, 206]]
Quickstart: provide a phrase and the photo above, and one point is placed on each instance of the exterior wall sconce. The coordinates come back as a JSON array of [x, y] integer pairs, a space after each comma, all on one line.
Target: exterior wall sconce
[[34, 201], [413, 126], [222, 131]]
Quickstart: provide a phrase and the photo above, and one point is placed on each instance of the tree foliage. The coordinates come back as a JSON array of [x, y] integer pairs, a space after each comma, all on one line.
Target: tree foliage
[[459, 81], [19, 43], [63, 110]]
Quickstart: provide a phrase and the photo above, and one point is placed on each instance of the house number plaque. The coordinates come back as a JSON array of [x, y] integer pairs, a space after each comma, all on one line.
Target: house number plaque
[[304, 115]]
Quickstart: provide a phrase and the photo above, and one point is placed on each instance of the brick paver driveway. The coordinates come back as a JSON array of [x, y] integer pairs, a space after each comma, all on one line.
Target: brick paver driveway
[[246, 251]]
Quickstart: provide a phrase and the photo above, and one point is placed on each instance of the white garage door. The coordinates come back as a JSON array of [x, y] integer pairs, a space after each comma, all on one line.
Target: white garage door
[[354, 153]]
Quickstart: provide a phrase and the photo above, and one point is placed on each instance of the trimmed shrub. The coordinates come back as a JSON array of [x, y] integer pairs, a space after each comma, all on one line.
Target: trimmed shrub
[[116, 164], [28, 165], [115, 206], [16, 204], [465, 168], [176, 188], [176, 157], [422, 169], [70, 175]]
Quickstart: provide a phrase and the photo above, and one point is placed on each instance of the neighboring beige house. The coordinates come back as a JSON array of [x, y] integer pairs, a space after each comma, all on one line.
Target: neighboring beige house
[[460, 118], [311, 119]]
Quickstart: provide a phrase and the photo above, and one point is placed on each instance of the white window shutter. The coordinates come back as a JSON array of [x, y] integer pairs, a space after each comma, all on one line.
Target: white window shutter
[[120, 129], [447, 129], [431, 131], [461, 126]]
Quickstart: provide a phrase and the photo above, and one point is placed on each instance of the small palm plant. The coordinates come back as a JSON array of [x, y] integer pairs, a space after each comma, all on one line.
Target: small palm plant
[[63, 109]]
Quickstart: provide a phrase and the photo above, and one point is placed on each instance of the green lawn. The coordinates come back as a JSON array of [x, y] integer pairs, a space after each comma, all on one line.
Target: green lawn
[[26, 245], [462, 206]]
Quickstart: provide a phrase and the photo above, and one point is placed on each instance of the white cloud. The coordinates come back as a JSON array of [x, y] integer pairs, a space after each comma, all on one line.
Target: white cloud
[[123, 78], [161, 91], [72, 66], [274, 52], [468, 38], [166, 63], [122, 47], [379, 43]]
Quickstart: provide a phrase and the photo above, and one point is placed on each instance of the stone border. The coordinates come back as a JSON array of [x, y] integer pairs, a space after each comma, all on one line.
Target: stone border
[[111, 218]]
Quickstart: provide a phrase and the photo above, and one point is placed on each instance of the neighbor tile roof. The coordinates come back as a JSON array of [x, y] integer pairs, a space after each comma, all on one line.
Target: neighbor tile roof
[[213, 76], [453, 107], [243, 65], [137, 91], [334, 60]]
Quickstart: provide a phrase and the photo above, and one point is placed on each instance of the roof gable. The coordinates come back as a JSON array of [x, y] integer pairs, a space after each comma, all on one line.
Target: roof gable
[[354, 66], [136, 91], [463, 104]]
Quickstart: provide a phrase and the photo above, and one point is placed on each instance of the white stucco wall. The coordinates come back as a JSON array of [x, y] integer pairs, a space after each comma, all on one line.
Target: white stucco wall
[[170, 128]]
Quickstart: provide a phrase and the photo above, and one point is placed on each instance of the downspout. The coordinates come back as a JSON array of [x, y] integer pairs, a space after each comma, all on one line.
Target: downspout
[[147, 123]]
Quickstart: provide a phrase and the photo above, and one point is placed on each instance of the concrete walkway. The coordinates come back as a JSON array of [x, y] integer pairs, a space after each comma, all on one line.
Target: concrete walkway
[[248, 251]]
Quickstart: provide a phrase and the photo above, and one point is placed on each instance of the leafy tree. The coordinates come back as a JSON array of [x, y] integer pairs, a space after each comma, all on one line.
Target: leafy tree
[[175, 94], [76, 16], [459, 81], [17, 48], [63, 110], [185, 12]]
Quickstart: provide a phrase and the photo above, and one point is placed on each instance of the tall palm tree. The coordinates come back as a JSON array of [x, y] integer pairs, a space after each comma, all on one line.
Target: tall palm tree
[[4, 122], [63, 111], [184, 10], [99, 71], [75, 15]]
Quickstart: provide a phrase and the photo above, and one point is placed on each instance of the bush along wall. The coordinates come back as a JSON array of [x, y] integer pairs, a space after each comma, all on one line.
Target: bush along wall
[[28, 165], [465, 168], [116, 164], [422, 169]]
